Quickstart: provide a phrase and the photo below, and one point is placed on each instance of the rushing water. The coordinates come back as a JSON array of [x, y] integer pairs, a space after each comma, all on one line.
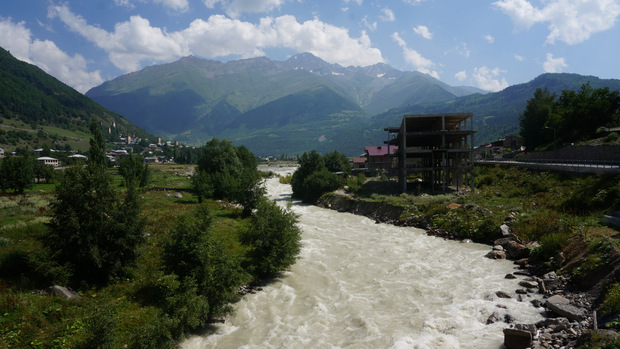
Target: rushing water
[[359, 284]]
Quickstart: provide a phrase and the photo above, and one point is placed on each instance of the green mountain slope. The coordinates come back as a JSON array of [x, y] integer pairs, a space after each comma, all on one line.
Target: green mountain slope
[[29, 96], [310, 119]]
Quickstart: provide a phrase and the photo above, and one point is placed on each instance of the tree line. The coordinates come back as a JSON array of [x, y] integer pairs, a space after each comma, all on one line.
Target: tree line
[[573, 116]]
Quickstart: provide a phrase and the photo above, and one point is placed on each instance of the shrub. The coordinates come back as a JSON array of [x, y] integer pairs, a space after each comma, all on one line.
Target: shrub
[[319, 183], [549, 246], [274, 240]]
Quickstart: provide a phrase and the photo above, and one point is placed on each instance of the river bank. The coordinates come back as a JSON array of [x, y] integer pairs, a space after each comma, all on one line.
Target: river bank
[[569, 309]]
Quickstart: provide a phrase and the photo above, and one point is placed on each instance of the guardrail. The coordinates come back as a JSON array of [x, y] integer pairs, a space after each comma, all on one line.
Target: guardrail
[[558, 164]]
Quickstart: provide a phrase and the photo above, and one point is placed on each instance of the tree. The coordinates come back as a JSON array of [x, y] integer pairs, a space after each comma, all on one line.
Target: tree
[[581, 113], [537, 111], [135, 171], [319, 183], [230, 172], [16, 173], [202, 186], [92, 230], [308, 164], [193, 254], [274, 239], [337, 162]]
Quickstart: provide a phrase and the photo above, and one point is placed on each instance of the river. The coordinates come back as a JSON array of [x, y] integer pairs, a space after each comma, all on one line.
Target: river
[[358, 284]]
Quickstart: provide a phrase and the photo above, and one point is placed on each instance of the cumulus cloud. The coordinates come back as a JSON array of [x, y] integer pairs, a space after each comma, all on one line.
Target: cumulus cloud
[[134, 42], [72, 70], [519, 58], [488, 79], [234, 8], [461, 76], [569, 21], [421, 64], [388, 15], [130, 43], [423, 32], [490, 39], [554, 65]]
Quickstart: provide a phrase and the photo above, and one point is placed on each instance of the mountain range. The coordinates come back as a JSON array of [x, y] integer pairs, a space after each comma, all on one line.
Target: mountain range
[[271, 107]]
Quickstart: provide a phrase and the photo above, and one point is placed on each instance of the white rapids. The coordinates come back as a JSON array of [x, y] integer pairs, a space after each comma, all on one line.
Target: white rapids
[[358, 284]]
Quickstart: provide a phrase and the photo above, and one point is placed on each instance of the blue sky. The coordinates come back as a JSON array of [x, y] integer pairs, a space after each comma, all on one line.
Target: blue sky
[[487, 44]]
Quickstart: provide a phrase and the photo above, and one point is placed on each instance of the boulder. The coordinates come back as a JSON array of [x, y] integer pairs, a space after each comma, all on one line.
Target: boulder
[[562, 307], [505, 229], [496, 254], [528, 284], [516, 250], [517, 339], [502, 294]]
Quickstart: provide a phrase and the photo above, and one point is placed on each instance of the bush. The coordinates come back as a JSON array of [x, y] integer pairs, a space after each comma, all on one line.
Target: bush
[[549, 246], [274, 240], [319, 183]]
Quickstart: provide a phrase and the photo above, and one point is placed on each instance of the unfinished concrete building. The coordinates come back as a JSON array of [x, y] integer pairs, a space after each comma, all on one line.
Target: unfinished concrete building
[[436, 148]]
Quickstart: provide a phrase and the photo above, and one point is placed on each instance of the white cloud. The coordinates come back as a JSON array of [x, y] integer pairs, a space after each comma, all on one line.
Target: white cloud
[[388, 15], [177, 5], [130, 43], [554, 65], [423, 32], [570, 21], [487, 79], [234, 8], [421, 64], [463, 50], [372, 26], [359, 2], [519, 58], [461, 76], [136, 41], [490, 39], [72, 70], [413, 2]]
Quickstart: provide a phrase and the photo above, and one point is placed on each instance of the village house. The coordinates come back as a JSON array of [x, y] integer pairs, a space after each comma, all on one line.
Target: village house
[[381, 157], [48, 161]]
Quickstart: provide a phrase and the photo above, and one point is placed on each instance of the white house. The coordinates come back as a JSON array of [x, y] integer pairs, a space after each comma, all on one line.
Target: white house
[[48, 161], [1, 153]]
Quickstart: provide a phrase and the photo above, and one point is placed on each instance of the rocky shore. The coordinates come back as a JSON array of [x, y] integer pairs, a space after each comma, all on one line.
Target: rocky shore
[[570, 316]]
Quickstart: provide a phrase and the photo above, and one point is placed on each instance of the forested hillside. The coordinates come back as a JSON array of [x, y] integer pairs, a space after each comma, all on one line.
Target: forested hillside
[[36, 108]]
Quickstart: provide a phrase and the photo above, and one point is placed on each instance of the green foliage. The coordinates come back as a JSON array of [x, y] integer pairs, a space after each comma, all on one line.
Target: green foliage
[[337, 162], [611, 301], [550, 245], [319, 183], [312, 179], [355, 183], [202, 186], [92, 230], [534, 118], [471, 222], [274, 240], [192, 253], [16, 173], [135, 171], [573, 117], [230, 172]]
